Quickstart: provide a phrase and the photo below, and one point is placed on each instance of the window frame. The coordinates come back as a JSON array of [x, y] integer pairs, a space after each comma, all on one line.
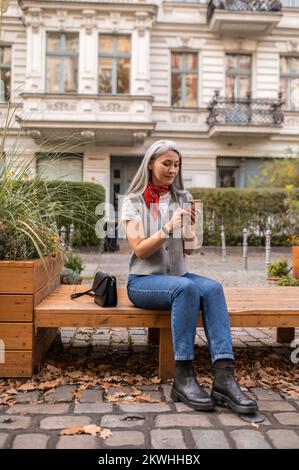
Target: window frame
[[48, 156], [6, 67], [184, 71], [62, 54], [290, 4], [114, 55], [239, 73], [234, 168], [289, 76]]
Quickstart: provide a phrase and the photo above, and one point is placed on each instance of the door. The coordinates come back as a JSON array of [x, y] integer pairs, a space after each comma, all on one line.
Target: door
[[123, 170]]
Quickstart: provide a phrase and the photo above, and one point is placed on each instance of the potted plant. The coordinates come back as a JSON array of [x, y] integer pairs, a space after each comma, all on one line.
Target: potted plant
[[294, 243], [292, 202], [73, 266], [31, 254], [277, 270]]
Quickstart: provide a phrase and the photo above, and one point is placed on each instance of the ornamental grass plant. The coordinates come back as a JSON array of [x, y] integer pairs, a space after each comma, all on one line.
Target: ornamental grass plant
[[30, 206]]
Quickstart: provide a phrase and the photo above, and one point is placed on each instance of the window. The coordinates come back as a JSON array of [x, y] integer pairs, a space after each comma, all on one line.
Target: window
[[238, 75], [289, 80], [290, 3], [183, 79], [5, 72], [114, 64], [227, 177], [64, 166], [62, 62]]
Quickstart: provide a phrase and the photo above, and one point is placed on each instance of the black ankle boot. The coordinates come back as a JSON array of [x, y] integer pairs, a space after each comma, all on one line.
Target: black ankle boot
[[226, 391], [185, 388]]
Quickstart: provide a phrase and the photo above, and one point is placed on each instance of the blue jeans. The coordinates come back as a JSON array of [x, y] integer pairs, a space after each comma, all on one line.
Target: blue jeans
[[185, 295]]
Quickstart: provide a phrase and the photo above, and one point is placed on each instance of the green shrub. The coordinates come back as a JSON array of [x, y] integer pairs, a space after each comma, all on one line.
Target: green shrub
[[72, 203], [73, 261], [288, 281], [278, 269], [256, 210], [80, 201]]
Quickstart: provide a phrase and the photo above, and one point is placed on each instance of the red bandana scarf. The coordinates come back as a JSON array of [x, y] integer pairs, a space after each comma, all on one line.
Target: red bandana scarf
[[152, 195]]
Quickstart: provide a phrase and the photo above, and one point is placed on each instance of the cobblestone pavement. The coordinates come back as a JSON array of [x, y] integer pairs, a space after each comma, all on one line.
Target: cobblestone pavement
[[33, 423], [164, 425]]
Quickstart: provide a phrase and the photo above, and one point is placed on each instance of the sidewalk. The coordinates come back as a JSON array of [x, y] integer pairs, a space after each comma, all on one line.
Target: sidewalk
[[207, 263], [142, 415]]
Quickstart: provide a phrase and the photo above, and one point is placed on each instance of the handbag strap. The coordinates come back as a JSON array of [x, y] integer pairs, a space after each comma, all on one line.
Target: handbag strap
[[87, 292], [78, 294]]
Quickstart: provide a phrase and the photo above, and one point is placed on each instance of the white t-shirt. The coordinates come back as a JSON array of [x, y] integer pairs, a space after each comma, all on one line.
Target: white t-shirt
[[163, 204]]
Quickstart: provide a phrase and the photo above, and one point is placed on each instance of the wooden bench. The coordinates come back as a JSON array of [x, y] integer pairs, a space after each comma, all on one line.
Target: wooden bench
[[249, 306]]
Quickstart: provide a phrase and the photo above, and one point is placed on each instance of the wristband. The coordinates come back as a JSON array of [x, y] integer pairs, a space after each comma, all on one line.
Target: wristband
[[164, 229]]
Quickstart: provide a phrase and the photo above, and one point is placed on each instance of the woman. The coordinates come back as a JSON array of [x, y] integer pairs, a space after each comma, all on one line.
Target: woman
[[161, 231]]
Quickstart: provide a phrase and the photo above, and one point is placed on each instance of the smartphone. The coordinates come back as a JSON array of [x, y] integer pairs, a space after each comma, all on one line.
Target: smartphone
[[193, 206], [193, 203]]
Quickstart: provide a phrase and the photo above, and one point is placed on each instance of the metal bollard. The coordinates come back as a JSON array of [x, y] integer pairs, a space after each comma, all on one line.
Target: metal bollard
[[268, 248], [245, 247], [72, 235], [223, 245], [62, 233]]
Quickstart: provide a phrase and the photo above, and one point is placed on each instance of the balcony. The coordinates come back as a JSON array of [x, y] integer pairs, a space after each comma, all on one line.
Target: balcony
[[246, 17], [104, 119], [244, 116]]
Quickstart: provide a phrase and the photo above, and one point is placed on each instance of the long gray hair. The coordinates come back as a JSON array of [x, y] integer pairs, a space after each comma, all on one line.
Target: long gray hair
[[141, 179]]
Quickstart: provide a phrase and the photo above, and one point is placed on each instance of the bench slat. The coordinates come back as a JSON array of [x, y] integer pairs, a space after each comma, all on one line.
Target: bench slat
[[269, 306], [256, 306], [252, 319]]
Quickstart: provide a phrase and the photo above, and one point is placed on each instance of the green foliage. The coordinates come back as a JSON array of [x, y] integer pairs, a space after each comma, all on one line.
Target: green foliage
[[32, 209], [288, 281], [292, 203], [277, 173], [294, 240], [27, 228], [278, 269], [257, 210], [73, 261], [80, 201], [68, 276]]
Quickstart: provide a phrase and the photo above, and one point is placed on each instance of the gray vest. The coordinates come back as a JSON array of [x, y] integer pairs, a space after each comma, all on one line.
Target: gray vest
[[170, 258]]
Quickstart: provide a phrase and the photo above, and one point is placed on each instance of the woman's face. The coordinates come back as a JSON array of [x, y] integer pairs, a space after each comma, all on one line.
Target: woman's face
[[165, 168]]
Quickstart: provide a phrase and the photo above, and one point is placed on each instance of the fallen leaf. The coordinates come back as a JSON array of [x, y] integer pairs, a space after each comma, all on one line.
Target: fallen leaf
[[27, 387], [77, 394], [49, 385], [114, 396], [148, 399], [92, 429], [255, 425], [53, 369], [72, 431], [156, 380], [105, 433], [75, 374]]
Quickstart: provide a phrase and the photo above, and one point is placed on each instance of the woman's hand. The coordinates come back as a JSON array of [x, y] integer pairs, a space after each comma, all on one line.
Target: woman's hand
[[195, 214], [180, 217]]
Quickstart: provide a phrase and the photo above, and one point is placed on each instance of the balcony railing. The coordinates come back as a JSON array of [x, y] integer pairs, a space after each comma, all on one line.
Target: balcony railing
[[243, 5], [245, 112]]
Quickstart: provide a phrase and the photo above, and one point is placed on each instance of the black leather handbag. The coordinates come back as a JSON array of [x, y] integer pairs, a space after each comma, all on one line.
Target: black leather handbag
[[103, 290]]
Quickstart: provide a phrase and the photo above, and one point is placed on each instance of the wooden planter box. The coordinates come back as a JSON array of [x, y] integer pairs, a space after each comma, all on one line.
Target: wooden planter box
[[295, 259], [23, 285]]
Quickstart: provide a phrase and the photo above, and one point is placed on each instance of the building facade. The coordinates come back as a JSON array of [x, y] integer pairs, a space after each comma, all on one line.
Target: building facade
[[96, 82]]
